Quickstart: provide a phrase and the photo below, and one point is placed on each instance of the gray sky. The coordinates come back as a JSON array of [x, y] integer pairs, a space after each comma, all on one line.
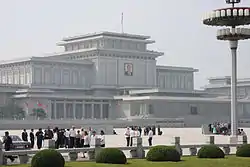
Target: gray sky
[[32, 27]]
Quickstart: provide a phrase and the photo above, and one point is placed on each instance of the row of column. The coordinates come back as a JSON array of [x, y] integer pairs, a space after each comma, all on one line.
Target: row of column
[[79, 110]]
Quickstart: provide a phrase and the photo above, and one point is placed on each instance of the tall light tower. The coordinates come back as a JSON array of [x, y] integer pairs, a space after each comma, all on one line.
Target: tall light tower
[[231, 17]]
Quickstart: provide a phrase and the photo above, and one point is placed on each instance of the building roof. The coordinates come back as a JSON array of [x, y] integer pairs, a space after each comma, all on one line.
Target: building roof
[[158, 90], [189, 69], [44, 59], [106, 33], [179, 99]]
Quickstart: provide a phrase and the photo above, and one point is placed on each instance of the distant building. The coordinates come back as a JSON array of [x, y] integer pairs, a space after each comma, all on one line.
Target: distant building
[[113, 76]]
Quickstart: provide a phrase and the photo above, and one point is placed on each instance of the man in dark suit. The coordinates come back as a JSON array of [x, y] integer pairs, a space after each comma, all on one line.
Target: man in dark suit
[[32, 138], [39, 138], [8, 145], [25, 135]]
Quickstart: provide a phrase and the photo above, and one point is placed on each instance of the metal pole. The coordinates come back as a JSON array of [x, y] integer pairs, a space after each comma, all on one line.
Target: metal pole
[[234, 129]]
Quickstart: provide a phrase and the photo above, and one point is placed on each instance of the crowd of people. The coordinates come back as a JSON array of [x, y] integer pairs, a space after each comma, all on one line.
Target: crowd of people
[[134, 131], [223, 129], [220, 128], [69, 138], [64, 138]]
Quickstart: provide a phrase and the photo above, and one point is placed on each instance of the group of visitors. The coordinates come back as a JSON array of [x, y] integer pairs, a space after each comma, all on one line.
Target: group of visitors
[[223, 129], [220, 128], [153, 128], [134, 132], [64, 138]]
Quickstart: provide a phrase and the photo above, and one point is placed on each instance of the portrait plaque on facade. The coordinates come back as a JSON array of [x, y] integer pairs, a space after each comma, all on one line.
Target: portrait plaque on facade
[[128, 69]]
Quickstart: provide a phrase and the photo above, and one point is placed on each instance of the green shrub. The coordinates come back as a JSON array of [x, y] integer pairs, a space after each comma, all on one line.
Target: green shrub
[[210, 151], [243, 151], [163, 153], [48, 158], [111, 156]]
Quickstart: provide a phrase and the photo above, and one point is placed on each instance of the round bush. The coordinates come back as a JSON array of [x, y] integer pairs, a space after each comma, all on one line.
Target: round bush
[[163, 153], [243, 151], [48, 158], [210, 151], [111, 156]]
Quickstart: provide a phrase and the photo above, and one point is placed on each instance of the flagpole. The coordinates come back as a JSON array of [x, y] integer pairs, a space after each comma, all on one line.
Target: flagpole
[[122, 22]]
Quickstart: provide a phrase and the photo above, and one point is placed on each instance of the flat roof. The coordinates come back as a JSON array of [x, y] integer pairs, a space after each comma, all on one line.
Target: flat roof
[[219, 78], [162, 67], [242, 84], [159, 90], [179, 99], [106, 33], [45, 59]]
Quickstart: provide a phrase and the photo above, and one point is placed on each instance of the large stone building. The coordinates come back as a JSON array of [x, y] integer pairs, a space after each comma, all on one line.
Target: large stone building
[[114, 76]]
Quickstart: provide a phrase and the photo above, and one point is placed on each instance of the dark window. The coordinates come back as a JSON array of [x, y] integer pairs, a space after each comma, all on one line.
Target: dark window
[[194, 110], [150, 109]]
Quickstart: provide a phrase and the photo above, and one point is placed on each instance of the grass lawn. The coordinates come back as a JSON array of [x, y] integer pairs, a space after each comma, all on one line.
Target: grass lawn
[[230, 161]]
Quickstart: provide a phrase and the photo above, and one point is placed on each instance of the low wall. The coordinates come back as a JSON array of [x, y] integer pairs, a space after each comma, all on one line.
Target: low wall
[[137, 151], [118, 123], [35, 124]]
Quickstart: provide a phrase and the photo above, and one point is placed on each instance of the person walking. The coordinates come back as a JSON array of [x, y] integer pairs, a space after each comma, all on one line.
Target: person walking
[[132, 136], [86, 143], [86, 139], [102, 139], [127, 136], [32, 138], [82, 137], [72, 137], [78, 139], [66, 134], [56, 137], [150, 137], [39, 138], [24, 135], [8, 144]]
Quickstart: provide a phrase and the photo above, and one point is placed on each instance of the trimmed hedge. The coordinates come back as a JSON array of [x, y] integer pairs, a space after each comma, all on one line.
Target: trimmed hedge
[[111, 156], [163, 153], [243, 151], [210, 151], [48, 158]]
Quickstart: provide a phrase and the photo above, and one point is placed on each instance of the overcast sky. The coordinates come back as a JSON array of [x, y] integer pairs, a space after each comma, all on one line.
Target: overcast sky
[[32, 28]]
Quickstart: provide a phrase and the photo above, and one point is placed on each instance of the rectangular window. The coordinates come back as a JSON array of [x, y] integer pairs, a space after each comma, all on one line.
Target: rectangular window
[[105, 111], [16, 77], [4, 77], [10, 77], [150, 109], [193, 110]]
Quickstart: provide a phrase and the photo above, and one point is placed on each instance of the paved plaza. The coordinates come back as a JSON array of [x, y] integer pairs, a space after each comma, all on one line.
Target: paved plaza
[[187, 135]]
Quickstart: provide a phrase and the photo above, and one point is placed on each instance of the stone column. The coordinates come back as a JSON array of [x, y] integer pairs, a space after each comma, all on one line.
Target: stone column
[[92, 110], [210, 140], [74, 110], [3, 160], [55, 110], [83, 110], [141, 109], [50, 110], [145, 109], [101, 111], [61, 73], [24, 75], [43, 76], [64, 110], [177, 141]]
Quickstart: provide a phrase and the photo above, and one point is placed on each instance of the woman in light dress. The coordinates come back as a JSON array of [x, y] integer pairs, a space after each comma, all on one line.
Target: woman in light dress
[[102, 139], [86, 141]]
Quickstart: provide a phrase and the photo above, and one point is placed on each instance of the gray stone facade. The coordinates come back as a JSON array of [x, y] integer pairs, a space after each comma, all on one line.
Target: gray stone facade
[[108, 76]]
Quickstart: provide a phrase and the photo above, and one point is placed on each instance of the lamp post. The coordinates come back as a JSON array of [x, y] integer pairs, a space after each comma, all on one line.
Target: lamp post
[[231, 17]]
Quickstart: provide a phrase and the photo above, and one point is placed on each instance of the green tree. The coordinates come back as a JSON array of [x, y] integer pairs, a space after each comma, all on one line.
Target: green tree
[[12, 111], [39, 113]]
